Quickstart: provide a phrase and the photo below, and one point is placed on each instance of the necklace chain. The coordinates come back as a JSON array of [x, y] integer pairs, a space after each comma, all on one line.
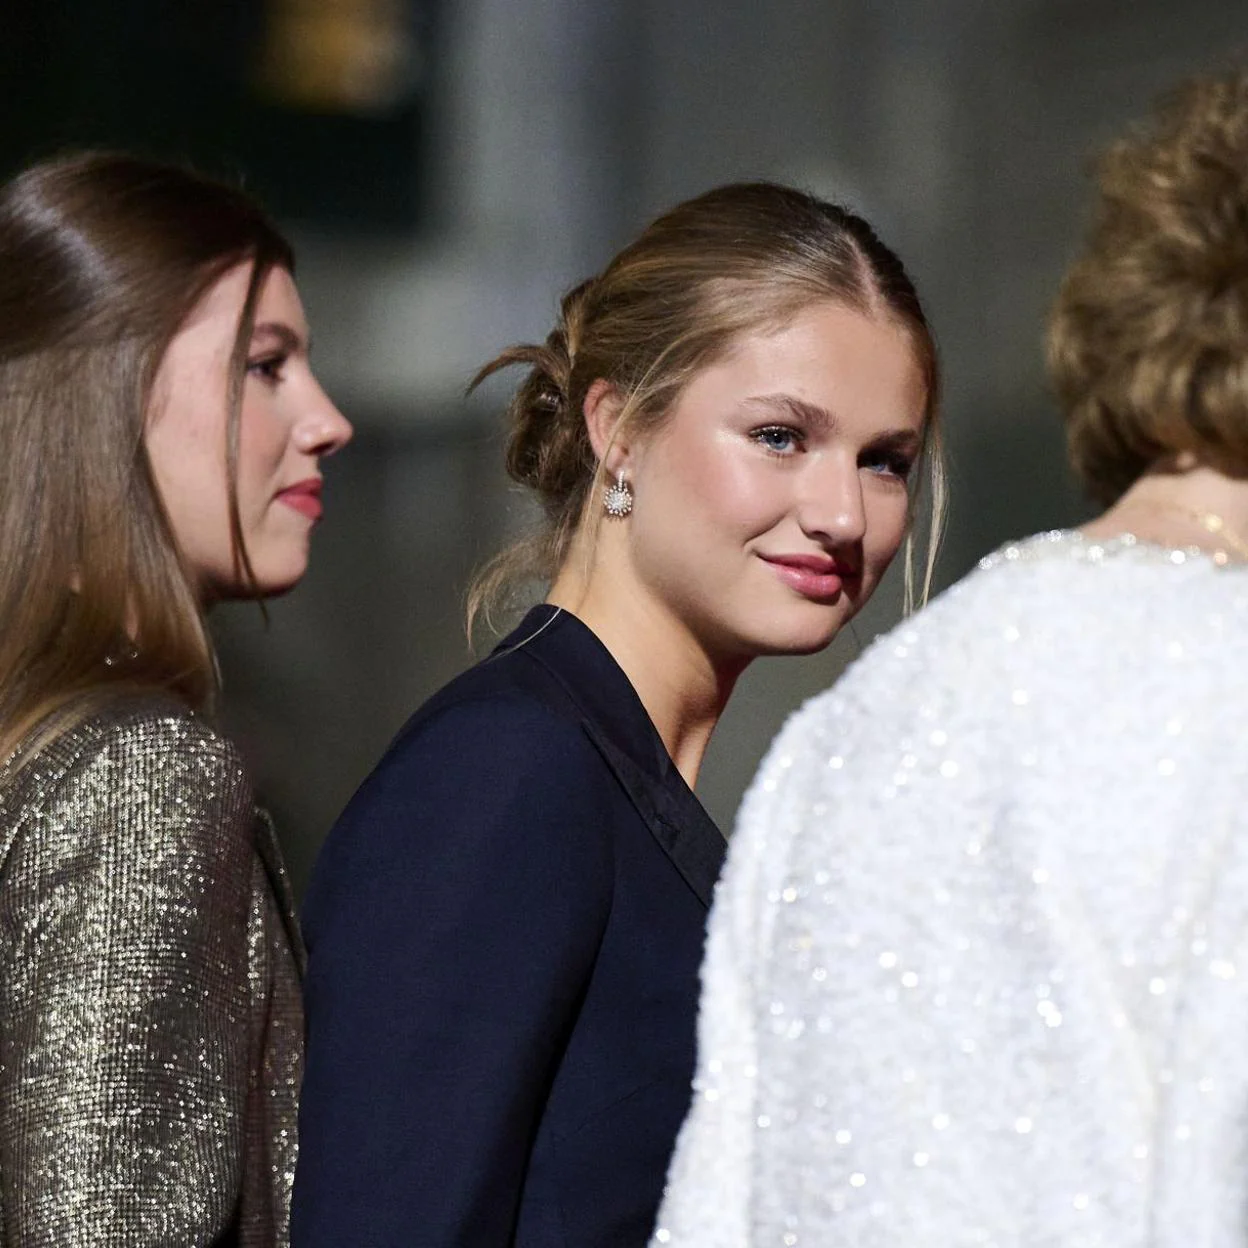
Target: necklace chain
[[1213, 524], [1216, 526]]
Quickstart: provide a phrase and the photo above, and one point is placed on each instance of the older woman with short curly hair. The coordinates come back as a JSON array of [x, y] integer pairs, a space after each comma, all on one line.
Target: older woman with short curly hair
[[976, 970]]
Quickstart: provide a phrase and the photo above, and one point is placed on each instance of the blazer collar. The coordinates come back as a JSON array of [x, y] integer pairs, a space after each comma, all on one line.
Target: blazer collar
[[612, 714]]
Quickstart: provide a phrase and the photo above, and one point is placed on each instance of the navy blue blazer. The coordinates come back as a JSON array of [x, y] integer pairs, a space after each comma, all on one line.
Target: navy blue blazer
[[504, 932]]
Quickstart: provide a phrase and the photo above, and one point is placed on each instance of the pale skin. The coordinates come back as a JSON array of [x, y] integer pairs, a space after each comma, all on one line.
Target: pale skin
[[1164, 506], [768, 505], [287, 424]]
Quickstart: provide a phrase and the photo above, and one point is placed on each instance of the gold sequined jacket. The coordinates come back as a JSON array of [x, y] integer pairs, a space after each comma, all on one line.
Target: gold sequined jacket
[[151, 1031]]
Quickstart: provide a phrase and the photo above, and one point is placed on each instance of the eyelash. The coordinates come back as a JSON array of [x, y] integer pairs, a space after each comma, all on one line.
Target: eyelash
[[895, 464], [268, 368], [761, 435]]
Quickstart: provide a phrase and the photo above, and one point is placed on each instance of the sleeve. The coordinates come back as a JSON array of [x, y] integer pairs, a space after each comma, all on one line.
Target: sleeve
[[859, 764], [123, 1003], [709, 1193], [452, 926]]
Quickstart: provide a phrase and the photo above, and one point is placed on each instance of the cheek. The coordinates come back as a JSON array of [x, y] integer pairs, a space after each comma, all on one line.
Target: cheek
[[723, 486], [263, 437], [887, 516], [187, 455]]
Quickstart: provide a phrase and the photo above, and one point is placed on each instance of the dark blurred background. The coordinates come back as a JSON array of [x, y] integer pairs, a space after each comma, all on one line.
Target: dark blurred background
[[448, 167]]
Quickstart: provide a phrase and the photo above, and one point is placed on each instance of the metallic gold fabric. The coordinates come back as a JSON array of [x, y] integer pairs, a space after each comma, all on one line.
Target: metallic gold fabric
[[151, 1029]]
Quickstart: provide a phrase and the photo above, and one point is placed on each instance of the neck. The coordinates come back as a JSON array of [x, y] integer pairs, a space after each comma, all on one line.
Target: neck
[[683, 690], [1179, 506]]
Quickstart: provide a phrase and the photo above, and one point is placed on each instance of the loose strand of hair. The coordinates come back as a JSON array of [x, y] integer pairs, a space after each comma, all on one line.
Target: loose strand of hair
[[916, 595], [243, 570]]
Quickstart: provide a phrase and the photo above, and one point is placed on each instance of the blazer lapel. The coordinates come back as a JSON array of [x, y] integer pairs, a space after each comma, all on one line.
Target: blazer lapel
[[682, 828], [596, 690]]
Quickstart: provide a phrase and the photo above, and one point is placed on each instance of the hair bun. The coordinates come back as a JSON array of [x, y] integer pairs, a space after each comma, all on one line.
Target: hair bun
[[548, 447]]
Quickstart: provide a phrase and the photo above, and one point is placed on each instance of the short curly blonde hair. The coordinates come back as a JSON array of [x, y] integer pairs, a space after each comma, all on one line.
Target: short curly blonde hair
[[1148, 340]]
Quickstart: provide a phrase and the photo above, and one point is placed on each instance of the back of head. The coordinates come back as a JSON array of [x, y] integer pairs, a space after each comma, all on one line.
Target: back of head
[[1148, 341], [743, 258], [102, 258]]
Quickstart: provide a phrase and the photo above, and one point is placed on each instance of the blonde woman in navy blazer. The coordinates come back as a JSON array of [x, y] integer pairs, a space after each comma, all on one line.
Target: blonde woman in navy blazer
[[505, 927]]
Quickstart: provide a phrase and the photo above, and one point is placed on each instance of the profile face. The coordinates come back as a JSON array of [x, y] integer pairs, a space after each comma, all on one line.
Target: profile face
[[771, 501], [287, 424]]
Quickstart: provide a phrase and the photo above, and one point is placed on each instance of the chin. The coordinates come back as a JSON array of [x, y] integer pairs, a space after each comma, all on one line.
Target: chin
[[797, 645], [279, 566], [806, 630], [271, 581], [274, 589], [800, 636]]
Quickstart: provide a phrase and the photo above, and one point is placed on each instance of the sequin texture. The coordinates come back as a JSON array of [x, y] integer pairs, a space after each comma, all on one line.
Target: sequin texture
[[150, 1019], [980, 954]]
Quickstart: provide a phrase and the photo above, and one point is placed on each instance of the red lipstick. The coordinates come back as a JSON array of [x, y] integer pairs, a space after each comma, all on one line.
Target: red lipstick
[[304, 497], [818, 577]]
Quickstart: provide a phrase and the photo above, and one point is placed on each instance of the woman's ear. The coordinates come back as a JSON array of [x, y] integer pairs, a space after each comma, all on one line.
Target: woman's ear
[[602, 408]]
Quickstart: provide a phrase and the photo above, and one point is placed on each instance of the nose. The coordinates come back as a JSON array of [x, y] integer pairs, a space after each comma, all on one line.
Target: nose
[[322, 429], [832, 508]]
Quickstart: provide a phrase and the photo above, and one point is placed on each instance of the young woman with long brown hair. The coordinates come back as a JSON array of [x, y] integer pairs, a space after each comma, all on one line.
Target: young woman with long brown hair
[[506, 924], [159, 436]]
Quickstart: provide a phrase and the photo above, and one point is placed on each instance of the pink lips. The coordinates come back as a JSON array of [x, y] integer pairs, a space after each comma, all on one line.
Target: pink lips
[[818, 577], [304, 497]]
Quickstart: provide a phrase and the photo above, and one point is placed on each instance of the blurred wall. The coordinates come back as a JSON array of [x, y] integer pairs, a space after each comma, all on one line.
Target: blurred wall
[[962, 128]]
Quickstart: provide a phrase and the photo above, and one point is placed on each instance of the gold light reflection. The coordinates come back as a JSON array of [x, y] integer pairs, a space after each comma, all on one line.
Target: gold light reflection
[[339, 56]]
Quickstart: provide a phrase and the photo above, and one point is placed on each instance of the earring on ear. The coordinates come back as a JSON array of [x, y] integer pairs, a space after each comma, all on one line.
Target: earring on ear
[[617, 499]]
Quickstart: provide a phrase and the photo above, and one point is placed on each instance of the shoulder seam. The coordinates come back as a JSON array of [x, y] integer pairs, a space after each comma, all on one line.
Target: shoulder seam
[[75, 750]]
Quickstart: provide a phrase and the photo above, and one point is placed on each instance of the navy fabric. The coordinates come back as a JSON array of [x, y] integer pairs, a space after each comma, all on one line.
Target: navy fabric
[[504, 932]]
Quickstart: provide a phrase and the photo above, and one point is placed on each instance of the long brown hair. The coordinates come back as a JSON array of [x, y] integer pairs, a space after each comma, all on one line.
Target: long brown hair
[[102, 258], [740, 259]]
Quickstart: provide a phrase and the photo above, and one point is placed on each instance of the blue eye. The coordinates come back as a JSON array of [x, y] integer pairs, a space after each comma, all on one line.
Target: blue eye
[[891, 464], [778, 439]]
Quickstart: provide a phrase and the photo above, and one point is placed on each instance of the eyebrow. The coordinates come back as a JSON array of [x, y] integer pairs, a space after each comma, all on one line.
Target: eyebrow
[[898, 440], [819, 418], [790, 405], [286, 336]]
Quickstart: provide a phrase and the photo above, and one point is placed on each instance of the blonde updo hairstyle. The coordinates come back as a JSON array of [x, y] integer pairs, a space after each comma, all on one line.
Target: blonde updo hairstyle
[[744, 258], [1148, 340]]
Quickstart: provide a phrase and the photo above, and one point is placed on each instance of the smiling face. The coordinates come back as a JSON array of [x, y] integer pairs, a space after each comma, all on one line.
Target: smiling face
[[286, 423], [771, 500]]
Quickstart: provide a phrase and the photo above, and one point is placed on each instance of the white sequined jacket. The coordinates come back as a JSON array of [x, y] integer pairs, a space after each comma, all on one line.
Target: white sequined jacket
[[977, 972], [151, 1032]]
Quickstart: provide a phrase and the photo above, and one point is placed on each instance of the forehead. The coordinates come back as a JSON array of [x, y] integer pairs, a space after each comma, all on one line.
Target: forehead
[[218, 311], [856, 365], [279, 301]]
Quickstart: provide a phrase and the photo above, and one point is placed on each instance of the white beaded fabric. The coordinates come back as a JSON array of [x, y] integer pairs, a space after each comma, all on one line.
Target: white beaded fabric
[[977, 972]]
